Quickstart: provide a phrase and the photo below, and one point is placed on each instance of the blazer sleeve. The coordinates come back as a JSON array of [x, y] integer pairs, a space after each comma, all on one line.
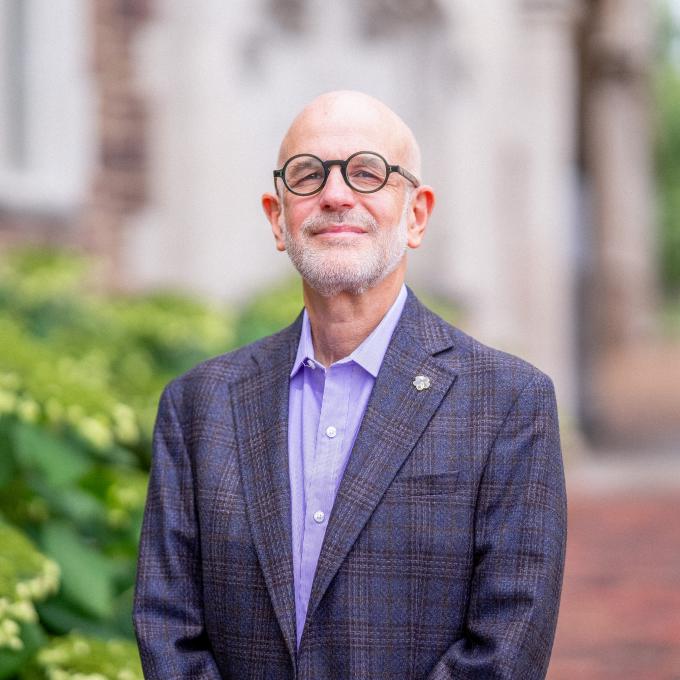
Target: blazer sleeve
[[168, 611], [520, 536]]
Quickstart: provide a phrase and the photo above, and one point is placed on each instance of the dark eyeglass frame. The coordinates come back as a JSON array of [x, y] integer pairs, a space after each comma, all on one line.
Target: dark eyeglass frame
[[281, 173]]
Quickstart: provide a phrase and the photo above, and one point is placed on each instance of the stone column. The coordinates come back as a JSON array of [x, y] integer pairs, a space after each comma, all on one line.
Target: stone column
[[512, 148], [620, 288], [618, 156], [467, 212], [544, 261]]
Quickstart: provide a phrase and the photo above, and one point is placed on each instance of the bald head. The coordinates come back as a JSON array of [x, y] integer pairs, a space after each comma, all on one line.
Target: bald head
[[355, 121], [338, 229]]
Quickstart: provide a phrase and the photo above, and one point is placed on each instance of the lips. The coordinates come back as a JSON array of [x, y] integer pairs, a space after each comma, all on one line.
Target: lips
[[341, 224], [339, 229]]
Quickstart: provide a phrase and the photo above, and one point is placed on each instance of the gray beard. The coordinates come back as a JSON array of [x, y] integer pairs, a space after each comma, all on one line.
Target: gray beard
[[337, 267]]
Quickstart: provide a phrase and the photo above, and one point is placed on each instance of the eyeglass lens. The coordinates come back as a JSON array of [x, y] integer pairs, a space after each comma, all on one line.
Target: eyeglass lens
[[365, 172]]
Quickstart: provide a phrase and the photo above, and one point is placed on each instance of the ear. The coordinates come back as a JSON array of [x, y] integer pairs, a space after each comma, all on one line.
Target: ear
[[422, 202], [271, 204]]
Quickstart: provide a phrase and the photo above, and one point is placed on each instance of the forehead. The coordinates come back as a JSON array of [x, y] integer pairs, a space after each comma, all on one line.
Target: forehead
[[332, 136]]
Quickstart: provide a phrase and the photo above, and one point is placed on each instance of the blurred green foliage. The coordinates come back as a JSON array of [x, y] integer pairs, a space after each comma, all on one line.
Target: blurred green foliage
[[269, 312], [77, 657], [667, 148], [80, 378]]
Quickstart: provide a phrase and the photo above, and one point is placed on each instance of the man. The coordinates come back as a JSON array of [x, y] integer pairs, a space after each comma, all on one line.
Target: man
[[369, 493]]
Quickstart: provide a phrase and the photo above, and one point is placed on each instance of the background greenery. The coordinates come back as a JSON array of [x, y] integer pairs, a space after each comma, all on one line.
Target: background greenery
[[667, 154]]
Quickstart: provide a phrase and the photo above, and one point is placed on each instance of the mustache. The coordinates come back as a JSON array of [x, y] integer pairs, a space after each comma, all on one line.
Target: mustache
[[357, 218]]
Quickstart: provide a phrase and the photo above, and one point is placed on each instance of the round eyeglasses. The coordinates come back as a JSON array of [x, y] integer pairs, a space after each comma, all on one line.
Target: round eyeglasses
[[364, 171]]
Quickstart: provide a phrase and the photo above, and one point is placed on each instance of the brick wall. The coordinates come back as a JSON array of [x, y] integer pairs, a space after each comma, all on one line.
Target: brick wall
[[118, 184]]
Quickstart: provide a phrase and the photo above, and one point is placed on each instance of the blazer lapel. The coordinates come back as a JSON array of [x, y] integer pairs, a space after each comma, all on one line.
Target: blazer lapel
[[396, 415], [260, 409]]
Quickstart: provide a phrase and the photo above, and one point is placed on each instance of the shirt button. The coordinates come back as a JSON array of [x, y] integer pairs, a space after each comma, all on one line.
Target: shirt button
[[319, 516], [331, 431]]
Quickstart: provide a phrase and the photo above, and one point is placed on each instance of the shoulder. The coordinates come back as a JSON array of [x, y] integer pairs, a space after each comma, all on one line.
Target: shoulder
[[499, 368], [488, 368]]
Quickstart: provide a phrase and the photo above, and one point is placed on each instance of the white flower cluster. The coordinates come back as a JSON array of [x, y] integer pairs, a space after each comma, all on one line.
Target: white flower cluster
[[73, 650], [20, 608], [125, 425], [42, 585], [26, 409], [10, 635], [124, 497], [58, 674], [99, 430]]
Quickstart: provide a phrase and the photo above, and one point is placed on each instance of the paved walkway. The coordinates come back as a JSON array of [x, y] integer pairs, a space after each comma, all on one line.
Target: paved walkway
[[620, 612]]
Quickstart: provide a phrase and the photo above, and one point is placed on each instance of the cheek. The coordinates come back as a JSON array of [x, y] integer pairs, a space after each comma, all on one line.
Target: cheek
[[294, 214], [389, 210], [390, 219]]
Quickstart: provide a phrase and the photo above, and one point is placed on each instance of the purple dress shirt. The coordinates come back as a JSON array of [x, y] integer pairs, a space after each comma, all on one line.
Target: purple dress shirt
[[325, 409]]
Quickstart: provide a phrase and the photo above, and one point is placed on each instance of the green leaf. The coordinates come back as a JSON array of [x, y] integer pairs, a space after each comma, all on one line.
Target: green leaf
[[38, 449], [7, 467], [87, 575], [72, 503], [123, 613], [58, 616]]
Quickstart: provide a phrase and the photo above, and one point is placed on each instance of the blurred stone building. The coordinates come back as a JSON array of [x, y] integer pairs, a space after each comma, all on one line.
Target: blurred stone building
[[144, 131]]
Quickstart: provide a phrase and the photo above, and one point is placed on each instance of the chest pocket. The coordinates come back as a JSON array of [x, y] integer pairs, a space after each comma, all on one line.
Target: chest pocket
[[424, 486]]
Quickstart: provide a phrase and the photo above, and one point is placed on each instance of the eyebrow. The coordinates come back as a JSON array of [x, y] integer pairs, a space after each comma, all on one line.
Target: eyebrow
[[303, 163], [372, 161]]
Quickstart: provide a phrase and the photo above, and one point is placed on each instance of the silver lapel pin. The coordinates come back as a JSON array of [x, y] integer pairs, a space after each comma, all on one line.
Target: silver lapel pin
[[421, 382]]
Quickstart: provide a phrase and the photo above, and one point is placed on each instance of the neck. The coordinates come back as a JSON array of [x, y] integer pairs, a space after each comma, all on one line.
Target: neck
[[340, 323]]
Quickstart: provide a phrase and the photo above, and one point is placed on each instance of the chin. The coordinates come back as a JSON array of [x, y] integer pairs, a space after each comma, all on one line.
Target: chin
[[332, 279], [328, 288]]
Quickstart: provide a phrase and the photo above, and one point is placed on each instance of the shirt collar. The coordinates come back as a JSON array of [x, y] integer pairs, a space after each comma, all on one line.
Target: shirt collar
[[370, 353]]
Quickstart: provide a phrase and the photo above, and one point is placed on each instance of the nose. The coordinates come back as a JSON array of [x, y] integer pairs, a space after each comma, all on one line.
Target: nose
[[336, 195]]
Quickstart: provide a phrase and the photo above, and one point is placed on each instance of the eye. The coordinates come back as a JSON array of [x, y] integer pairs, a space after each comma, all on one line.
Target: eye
[[365, 177], [365, 173], [304, 172], [313, 176]]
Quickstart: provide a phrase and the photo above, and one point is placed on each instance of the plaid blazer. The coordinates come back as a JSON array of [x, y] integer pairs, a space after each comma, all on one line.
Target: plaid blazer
[[444, 551]]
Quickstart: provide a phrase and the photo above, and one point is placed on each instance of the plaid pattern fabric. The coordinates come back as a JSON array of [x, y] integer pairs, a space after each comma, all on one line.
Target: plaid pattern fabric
[[444, 551]]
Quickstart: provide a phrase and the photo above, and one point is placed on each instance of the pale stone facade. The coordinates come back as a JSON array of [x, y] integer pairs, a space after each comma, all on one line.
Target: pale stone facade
[[532, 116]]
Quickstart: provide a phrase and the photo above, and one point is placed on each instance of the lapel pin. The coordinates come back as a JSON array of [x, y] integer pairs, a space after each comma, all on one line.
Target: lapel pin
[[421, 382]]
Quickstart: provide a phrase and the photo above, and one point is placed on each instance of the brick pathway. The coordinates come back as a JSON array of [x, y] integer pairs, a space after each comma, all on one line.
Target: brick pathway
[[620, 611]]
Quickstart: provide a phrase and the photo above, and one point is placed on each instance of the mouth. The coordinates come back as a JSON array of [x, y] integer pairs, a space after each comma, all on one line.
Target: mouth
[[340, 230]]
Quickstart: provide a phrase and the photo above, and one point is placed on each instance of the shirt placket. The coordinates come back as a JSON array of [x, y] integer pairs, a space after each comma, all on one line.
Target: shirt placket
[[322, 478]]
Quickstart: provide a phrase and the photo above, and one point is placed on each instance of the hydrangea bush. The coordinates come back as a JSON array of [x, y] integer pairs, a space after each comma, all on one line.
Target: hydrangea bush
[[26, 577], [80, 377]]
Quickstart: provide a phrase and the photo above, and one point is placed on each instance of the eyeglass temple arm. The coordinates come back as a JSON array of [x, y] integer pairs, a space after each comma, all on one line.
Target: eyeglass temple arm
[[405, 173]]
